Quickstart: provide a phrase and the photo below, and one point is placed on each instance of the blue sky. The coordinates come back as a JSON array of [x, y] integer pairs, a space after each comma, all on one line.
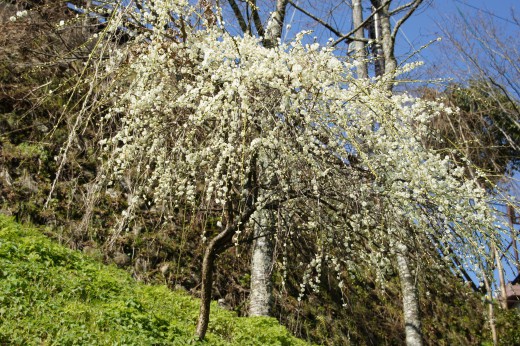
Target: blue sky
[[423, 26]]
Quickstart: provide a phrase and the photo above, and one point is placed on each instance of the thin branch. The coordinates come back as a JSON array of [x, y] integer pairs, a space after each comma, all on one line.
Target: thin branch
[[414, 6], [238, 15], [256, 19], [400, 8], [348, 35], [313, 17]]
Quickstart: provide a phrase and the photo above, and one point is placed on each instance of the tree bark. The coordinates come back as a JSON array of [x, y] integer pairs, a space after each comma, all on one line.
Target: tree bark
[[262, 266], [262, 256], [514, 236], [387, 40], [387, 63], [217, 245], [410, 299], [275, 24], [359, 45], [501, 279], [208, 266], [491, 310], [86, 19], [376, 47]]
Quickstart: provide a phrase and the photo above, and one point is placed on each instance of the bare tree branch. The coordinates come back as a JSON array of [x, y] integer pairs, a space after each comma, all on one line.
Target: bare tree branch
[[256, 19], [413, 6], [348, 36], [313, 17], [238, 15]]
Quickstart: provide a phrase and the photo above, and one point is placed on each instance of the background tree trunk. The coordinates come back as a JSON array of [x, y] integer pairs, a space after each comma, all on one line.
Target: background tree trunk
[[501, 278], [262, 256], [275, 24], [376, 47], [262, 266], [386, 63], [359, 36], [491, 310], [412, 321], [387, 40]]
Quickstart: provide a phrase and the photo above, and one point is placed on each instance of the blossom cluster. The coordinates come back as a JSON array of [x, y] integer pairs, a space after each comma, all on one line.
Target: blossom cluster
[[19, 14]]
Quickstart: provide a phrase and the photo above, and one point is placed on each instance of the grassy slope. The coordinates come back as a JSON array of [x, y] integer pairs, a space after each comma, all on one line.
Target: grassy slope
[[50, 295]]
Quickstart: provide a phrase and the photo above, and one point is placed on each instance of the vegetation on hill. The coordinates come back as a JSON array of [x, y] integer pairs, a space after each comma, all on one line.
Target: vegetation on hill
[[51, 295]]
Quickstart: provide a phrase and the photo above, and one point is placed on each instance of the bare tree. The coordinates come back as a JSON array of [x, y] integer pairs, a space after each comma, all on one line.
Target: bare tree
[[490, 56]]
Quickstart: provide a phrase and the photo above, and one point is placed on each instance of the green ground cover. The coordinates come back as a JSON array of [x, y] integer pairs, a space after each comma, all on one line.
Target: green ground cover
[[51, 295]]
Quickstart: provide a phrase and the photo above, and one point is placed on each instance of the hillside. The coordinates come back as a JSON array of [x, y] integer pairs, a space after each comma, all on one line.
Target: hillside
[[51, 295]]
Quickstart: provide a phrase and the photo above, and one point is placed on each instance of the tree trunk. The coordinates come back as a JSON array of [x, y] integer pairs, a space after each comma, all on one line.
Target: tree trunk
[[410, 299], [387, 63], [275, 24], [262, 256], [387, 41], [359, 36], [208, 265], [514, 236], [501, 279], [261, 266], [86, 20], [491, 310], [216, 246], [377, 48]]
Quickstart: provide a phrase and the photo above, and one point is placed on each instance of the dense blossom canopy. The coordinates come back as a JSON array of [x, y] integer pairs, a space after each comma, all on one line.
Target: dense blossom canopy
[[225, 126]]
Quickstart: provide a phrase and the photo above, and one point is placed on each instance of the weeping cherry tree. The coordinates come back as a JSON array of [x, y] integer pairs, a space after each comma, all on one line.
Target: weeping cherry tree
[[205, 121]]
